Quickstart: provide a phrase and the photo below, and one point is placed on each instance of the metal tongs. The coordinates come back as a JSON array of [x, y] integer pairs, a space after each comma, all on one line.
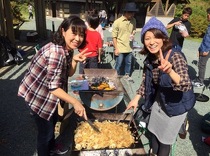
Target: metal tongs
[[125, 114]]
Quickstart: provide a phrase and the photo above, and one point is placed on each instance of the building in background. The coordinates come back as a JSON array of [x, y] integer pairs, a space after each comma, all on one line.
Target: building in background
[[64, 8]]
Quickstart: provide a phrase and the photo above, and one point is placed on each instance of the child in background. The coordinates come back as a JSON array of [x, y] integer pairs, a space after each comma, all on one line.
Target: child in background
[[93, 44], [99, 28]]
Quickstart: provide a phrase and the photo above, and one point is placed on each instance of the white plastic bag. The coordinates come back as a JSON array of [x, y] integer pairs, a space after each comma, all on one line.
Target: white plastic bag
[[183, 30]]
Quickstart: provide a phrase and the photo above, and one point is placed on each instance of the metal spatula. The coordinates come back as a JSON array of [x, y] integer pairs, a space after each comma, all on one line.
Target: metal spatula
[[95, 128]]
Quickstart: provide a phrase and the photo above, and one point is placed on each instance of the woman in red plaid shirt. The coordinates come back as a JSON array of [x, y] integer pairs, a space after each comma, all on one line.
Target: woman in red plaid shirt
[[44, 85]]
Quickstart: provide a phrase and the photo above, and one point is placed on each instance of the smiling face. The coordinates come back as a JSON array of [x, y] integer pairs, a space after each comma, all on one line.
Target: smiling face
[[152, 43], [72, 39]]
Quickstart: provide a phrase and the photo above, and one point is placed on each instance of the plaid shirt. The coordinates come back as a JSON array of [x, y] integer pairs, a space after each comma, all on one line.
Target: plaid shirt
[[48, 71], [179, 65]]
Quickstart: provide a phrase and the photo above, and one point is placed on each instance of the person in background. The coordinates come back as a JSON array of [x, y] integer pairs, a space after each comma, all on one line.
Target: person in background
[[93, 44], [44, 85], [123, 31], [111, 19], [103, 18], [204, 54], [165, 74], [180, 28], [99, 28], [30, 11]]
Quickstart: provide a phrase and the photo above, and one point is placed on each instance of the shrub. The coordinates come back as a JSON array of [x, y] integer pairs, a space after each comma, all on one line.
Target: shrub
[[17, 16]]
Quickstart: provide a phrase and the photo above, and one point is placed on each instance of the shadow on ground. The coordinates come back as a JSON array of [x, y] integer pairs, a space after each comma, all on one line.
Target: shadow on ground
[[195, 133], [18, 130]]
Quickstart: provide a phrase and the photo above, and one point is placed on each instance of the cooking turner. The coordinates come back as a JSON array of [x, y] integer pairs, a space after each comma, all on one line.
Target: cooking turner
[[95, 128]]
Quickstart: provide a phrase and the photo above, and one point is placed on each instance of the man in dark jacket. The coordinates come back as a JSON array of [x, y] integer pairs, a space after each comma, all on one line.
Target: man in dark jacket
[[204, 54]]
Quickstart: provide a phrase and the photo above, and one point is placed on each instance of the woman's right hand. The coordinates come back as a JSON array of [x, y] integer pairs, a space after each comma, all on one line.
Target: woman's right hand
[[80, 110]]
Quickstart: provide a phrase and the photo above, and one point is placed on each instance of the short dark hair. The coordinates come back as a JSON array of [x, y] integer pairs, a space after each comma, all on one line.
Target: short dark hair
[[93, 20], [76, 24], [92, 11], [187, 10], [208, 11], [167, 45]]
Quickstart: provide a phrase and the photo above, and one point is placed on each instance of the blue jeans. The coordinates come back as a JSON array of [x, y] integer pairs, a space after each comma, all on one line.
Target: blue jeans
[[45, 137], [127, 58]]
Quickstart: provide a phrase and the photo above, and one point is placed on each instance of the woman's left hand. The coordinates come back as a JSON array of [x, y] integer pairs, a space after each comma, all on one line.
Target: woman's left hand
[[165, 65], [81, 57]]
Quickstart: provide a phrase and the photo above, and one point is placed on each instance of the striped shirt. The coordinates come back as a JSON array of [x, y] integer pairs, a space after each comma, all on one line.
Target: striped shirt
[[48, 71], [179, 65]]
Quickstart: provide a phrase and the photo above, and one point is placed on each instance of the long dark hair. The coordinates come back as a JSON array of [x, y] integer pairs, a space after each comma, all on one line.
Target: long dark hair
[[167, 45], [76, 24]]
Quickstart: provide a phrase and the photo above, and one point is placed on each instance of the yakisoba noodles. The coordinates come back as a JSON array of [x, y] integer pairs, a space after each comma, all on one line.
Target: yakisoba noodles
[[112, 135]]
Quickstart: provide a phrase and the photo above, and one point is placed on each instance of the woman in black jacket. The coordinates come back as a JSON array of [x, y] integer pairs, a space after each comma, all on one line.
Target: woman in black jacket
[[166, 87]]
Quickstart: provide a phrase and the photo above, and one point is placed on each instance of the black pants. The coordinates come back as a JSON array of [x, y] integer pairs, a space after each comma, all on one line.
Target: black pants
[[91, 62], [159, 148], [45, 137], [30, 15]]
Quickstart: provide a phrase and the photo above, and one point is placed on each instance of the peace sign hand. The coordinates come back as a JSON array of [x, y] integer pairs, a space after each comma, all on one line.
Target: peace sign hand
[[165, 65], [81, 57]]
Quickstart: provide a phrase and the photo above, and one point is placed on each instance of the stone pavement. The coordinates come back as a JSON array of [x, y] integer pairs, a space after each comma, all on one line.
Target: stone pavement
[[18, 131]]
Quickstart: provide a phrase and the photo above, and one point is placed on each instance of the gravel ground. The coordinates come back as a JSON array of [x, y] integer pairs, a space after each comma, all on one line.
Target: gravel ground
[[18, 131]]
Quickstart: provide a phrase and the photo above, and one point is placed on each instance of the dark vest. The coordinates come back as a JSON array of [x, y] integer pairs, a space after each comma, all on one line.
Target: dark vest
[[172, 102]]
